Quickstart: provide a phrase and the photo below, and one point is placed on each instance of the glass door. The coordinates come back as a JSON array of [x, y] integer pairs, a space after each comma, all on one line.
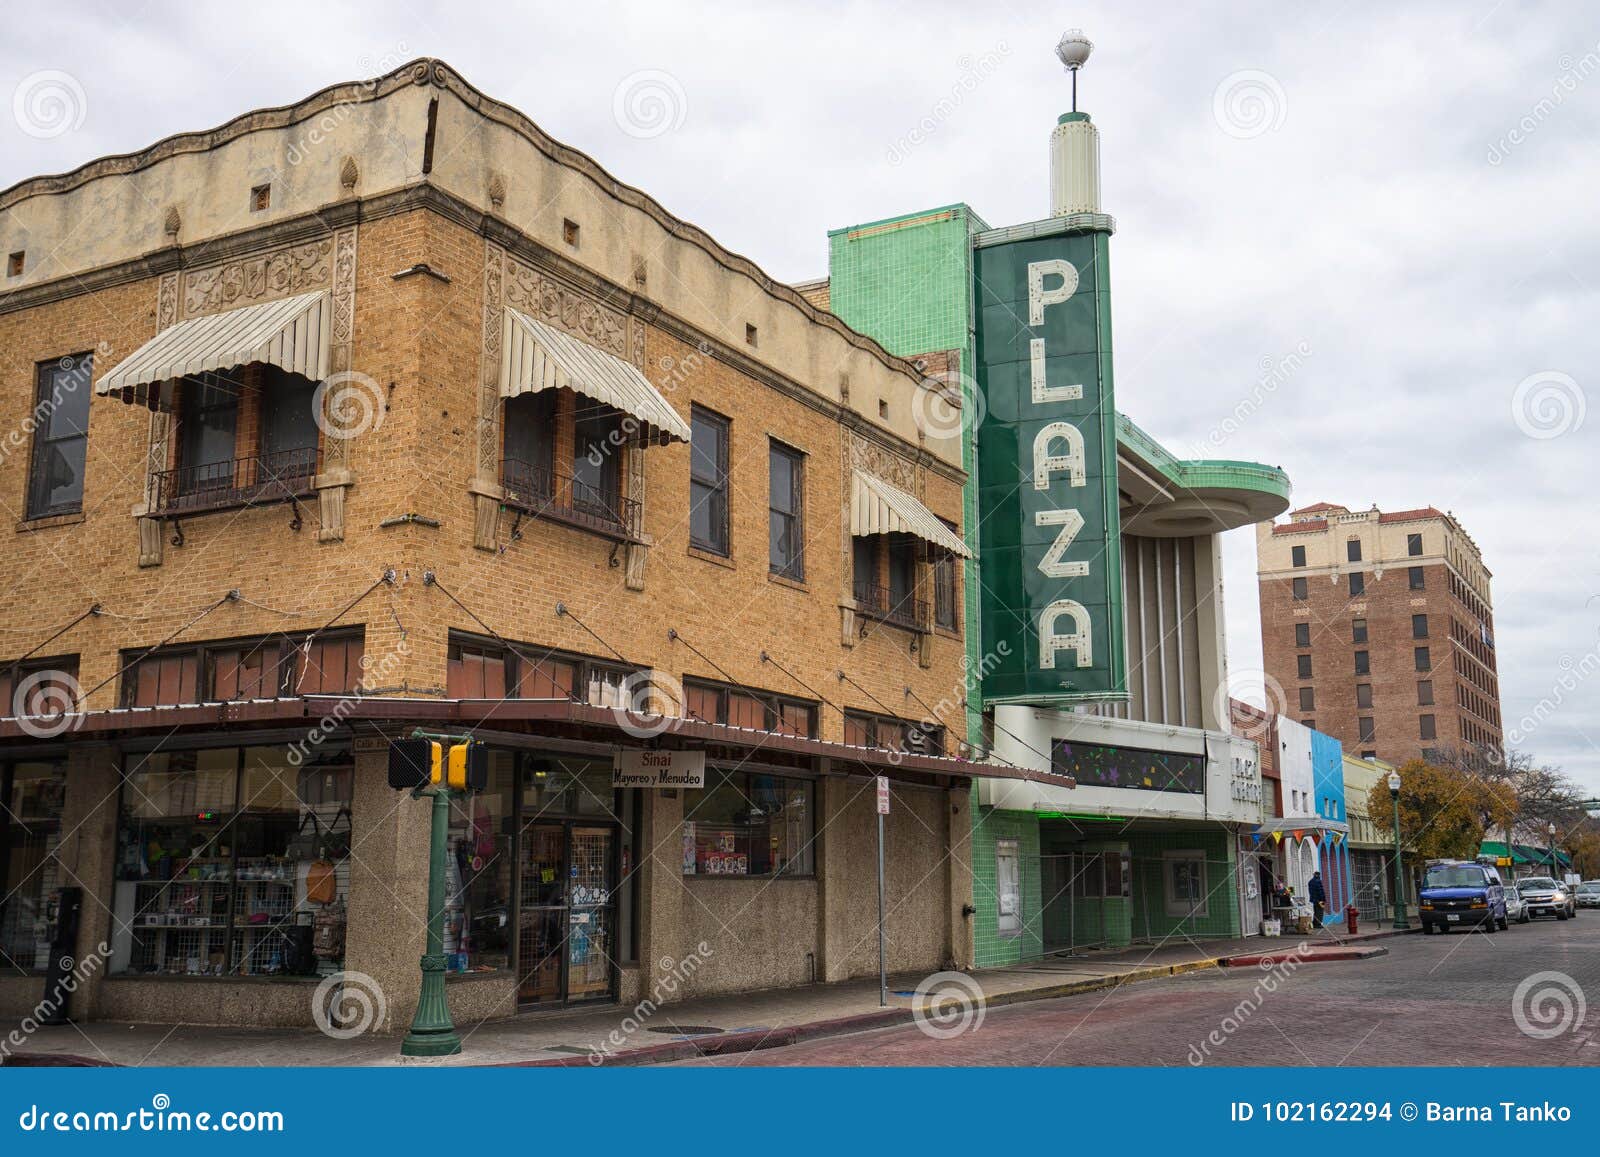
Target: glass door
[[591, 913], [542, 919]]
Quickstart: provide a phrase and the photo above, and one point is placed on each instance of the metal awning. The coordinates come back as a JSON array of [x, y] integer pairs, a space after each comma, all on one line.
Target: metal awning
[[291, 334], [537, 357], [879, 508]]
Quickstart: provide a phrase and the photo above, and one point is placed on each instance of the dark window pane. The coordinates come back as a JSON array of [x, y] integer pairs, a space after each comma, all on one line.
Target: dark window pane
[[1419, 626], [1424, 663], [1427, 728], [530, 419], [288, 419], [1308, 699], [1363, 663], [708, 482], [785, 521], [1303, 663], [1417, 581], [61, 437], [1414, 544], [1358, 583], [596, 456], [1364, 695], [1352, 550], [1368, 730], [1300, 590], [1358, 630], [1302, 634], [1297, 555]]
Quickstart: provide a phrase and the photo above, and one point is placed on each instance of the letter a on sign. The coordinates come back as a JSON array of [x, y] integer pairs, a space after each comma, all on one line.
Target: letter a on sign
[[1044, 461], [1050, 642]]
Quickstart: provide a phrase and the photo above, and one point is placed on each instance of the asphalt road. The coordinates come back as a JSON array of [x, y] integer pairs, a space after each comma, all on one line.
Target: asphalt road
[[1433, 1000]]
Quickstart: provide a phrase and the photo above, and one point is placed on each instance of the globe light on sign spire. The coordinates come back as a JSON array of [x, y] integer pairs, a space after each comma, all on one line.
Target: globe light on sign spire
[[1073, 51]]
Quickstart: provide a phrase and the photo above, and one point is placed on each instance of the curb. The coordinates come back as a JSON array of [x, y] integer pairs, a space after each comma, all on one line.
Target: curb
[[1265, 959], [744, 1042]]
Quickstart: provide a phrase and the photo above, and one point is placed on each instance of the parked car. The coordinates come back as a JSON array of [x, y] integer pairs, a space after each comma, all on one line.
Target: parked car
[[1588, 894], [1545, 897], [1462, 894], [1516, 906]]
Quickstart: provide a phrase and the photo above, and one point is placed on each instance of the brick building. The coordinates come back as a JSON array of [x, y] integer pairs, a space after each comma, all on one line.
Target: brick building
[[1378, 628], [385, 409]]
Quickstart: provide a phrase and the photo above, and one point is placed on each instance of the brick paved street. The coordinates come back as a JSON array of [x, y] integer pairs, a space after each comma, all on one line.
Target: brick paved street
[[1431, 1000]]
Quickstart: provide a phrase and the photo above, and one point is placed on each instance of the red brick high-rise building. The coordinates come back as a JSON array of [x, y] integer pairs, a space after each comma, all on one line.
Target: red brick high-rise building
[[1379, 629]]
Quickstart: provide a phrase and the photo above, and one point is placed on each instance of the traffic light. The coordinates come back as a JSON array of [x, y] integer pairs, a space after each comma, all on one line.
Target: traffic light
[[468, 767], [414, 763]]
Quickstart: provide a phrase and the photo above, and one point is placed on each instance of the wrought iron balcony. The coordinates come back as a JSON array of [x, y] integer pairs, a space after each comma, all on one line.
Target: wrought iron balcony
[[877, 602], [540, 492], [254, 481]]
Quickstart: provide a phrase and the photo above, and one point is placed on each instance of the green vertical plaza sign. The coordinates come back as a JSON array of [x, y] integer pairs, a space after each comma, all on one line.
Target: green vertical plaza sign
[[1050, 560]]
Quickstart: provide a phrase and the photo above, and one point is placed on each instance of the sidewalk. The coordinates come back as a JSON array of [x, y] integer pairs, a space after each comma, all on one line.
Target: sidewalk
[[702, 1026]]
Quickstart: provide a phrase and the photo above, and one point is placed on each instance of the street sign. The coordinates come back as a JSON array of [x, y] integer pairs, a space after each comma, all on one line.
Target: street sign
[[635, 767], [883, 795]]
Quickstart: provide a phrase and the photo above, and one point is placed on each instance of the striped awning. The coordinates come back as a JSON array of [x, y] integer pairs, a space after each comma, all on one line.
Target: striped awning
[[291, 334], [537, 357], [879, 508]]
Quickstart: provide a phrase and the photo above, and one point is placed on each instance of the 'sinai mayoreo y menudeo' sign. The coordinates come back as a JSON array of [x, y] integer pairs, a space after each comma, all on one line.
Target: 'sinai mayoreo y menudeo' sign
[[1047, 469]]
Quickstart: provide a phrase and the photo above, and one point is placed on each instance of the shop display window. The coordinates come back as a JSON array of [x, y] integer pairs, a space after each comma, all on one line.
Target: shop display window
[[30, 826], [745, 824], [479, 918], [232, 862]]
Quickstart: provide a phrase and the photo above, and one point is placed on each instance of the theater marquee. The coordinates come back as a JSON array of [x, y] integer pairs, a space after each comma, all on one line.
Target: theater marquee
[[1047, 452]]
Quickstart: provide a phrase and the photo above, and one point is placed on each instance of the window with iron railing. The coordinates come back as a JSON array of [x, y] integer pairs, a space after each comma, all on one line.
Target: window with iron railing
[[885, 580], [245, 436], [576, 480]]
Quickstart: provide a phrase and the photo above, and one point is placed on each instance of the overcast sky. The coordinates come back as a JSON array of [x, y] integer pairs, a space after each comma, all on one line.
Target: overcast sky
[[1407, 200]]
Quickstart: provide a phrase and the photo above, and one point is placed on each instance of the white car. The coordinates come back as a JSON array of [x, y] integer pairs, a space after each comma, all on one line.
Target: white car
[[1544, 897], [1516, 906], [1588, 894]]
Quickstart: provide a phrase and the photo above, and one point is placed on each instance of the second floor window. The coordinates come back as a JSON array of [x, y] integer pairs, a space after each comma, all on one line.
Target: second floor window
[[708, 482], [1358, 583], [786, 514], [486, 669], [946, 596], [61, 436], [249, 430]]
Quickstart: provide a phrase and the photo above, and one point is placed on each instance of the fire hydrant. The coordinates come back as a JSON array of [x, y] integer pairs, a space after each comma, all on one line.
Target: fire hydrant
[[1351, 912]]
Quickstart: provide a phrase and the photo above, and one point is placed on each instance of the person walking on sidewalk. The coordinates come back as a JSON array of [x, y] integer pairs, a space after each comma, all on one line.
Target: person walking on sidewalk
[[1319, 897]]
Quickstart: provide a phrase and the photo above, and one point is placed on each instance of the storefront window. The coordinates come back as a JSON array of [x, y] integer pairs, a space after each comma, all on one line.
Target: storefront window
[[748, 825], [233, 862], [478, 914], [557, 785], [30, 826]]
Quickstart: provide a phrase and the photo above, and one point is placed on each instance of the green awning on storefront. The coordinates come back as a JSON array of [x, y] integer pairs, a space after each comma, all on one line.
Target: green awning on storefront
[[1523, 853]]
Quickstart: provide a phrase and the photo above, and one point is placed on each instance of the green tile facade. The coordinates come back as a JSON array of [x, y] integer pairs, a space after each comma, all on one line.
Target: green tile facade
[[990, 949], [1149, 916]]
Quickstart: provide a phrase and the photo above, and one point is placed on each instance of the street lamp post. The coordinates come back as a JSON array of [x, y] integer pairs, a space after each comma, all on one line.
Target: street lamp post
[[1399, 872], [1555, 873]]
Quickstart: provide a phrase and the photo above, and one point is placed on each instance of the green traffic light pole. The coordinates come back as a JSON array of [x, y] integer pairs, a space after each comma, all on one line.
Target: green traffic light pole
[[1400, 923], [433, 1033]]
